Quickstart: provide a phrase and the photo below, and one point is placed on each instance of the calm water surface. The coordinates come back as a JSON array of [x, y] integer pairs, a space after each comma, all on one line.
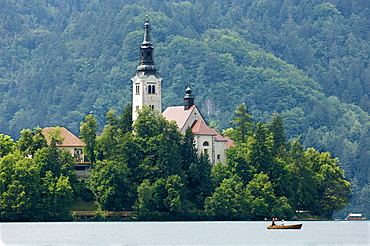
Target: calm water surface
[[184, 233]]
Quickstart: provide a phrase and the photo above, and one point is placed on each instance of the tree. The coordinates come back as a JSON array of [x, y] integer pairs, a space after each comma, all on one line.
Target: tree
[[302, 180], [88, 131], [276, 128], [259, 150], [229, 201], [199, 181], [238, 161], [57, 196], [145, 201], [107, 145], [110, 185], [175, 200], [159, 141], [55, 160], [125, 121], [149, 123], [19, 188], [333, 190], [264, 202], [243, 123], [25, 142], [188, 150], [7, 145]]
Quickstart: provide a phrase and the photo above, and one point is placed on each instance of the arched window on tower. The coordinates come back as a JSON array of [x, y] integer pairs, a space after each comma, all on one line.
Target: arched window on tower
[[151, 89], [205, 143]]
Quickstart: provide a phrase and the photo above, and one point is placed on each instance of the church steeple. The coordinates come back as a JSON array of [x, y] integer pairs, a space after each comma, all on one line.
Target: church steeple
[[147, 83], [147, 65], [188, 99]]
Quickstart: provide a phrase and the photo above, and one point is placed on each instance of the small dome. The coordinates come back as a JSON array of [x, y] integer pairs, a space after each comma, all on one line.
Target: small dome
[[188, 90]]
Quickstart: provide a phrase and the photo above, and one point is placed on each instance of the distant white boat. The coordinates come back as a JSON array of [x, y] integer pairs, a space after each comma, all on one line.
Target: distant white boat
[[355, 217]]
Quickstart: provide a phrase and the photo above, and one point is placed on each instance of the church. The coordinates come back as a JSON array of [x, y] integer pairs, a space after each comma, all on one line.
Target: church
[[146, 90]]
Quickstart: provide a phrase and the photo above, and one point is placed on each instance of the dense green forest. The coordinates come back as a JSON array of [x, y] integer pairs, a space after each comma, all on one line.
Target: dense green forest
[[151, 168], [306, 60]]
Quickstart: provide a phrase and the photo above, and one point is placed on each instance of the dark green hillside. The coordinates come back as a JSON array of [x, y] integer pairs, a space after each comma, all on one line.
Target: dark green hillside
[[307, 60]]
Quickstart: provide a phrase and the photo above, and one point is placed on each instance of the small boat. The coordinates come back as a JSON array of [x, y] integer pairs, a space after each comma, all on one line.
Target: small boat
[[355, 217], [296, 226]]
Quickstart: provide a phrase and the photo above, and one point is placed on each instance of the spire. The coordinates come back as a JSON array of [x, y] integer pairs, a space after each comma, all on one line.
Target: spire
[[147, 65], [188, 99], [146, 33]]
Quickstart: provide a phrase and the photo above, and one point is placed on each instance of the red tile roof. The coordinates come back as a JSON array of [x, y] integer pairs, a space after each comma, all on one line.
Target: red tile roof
[[219, 137], [229, 143], [70, 140], [178, 114], [199, 127]]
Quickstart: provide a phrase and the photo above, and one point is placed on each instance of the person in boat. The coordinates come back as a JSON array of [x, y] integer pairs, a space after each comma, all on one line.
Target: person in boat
[[273, 222], [282, 222]]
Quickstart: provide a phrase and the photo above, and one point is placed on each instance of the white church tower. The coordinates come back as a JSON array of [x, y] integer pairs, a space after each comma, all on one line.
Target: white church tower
[[146, 85]]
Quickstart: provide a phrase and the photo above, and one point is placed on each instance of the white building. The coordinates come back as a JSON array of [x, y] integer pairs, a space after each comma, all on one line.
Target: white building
[[147, 91], [146, 85]]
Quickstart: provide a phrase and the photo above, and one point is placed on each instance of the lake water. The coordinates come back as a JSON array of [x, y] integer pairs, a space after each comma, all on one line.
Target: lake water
[[184, 233]]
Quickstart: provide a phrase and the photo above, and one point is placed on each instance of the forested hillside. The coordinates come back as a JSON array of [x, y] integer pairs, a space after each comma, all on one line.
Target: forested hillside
[[306, 60]]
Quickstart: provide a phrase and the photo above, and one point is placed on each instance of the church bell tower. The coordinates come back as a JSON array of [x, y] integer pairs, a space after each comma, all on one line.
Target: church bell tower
[[146, 85]]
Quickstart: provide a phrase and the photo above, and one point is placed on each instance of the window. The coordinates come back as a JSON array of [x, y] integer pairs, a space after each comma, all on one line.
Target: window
[[137, 89], [205, 143], [218, 157], [137, 108], [151, 89], [151, 106], [77, 155]]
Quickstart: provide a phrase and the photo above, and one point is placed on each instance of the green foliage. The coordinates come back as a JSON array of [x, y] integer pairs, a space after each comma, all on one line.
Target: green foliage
[[306, 60], [109, 184], [242, 123], [88, 133], [229, 201], [7, 145], [36, 189]]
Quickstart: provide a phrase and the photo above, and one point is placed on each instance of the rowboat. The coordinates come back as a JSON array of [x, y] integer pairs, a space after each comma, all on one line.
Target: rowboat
[[297, 226]]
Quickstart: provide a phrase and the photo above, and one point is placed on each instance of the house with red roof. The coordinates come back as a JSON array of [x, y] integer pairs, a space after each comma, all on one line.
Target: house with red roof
[[73, 144]]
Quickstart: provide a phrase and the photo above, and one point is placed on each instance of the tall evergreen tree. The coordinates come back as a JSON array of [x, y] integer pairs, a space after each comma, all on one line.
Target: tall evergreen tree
[[243, 123], [259, 149], [88, 131], [276, 128], [125, 121]]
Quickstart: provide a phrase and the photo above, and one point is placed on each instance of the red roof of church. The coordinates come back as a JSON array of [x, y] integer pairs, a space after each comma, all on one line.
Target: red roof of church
[[229, 143], [219, 137], [199, 127], [178, 114], [70, 140]]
